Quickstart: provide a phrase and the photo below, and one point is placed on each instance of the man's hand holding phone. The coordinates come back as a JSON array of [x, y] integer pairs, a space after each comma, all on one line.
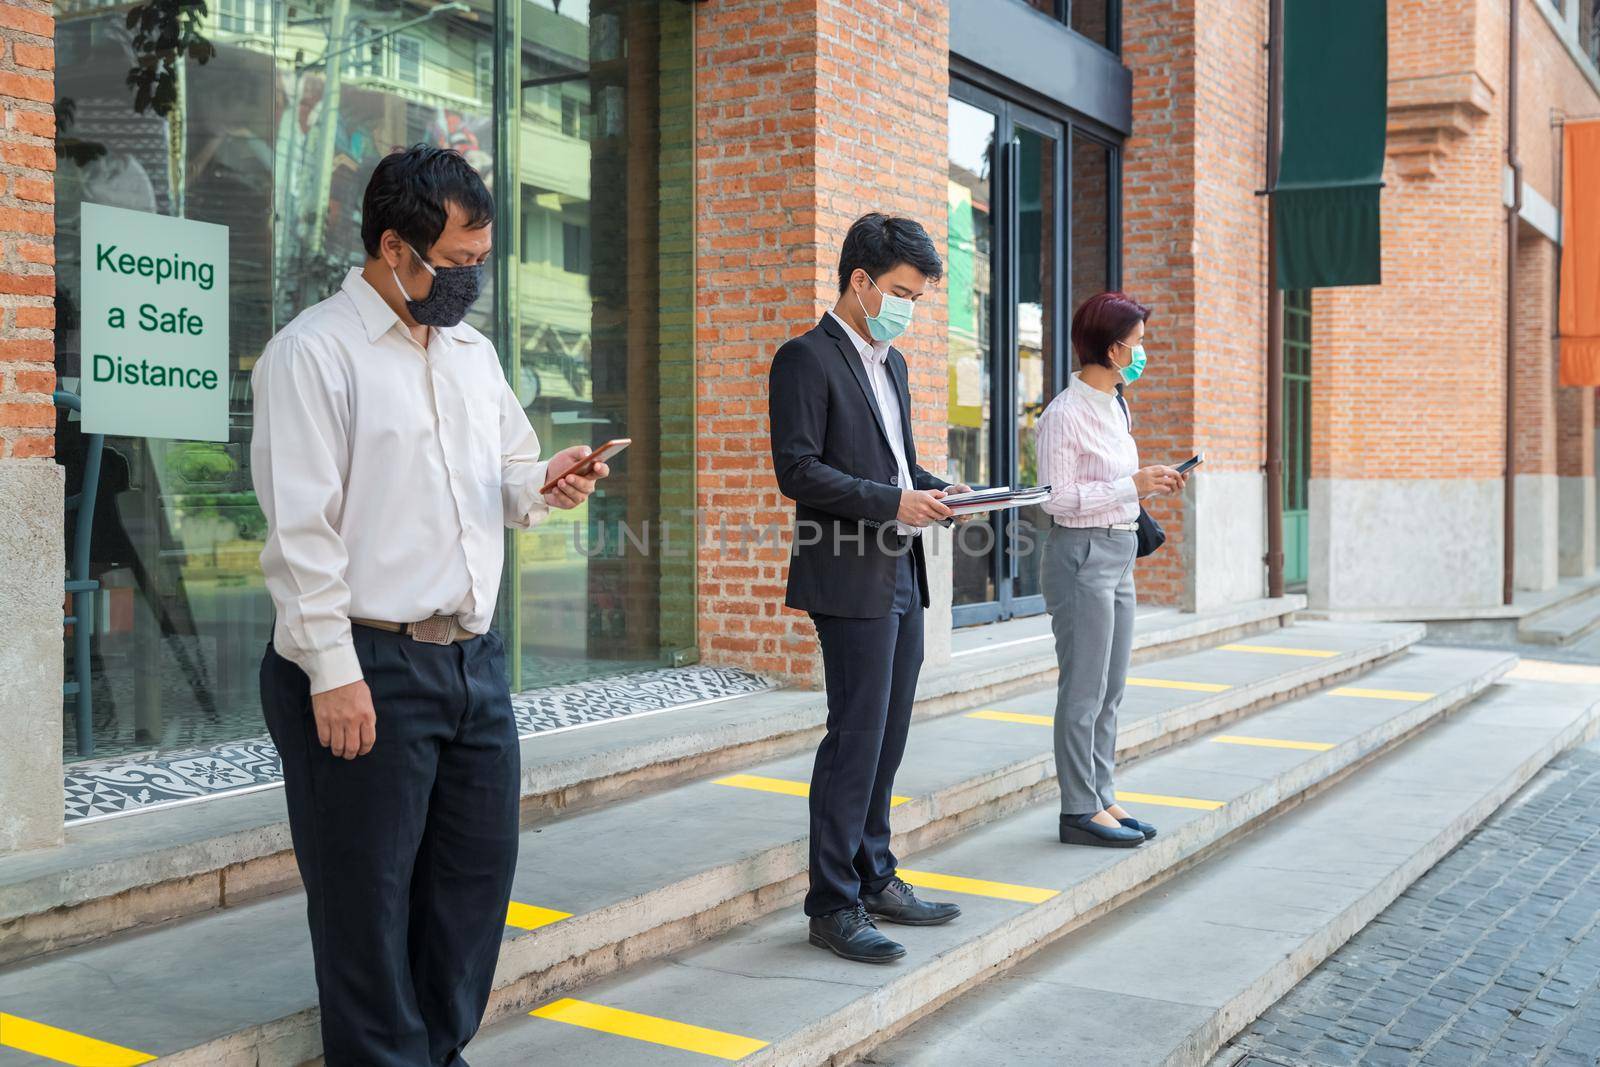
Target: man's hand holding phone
[[572, 478]]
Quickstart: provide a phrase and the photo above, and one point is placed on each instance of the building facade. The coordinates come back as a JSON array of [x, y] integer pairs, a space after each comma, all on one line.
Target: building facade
[[673, 181]]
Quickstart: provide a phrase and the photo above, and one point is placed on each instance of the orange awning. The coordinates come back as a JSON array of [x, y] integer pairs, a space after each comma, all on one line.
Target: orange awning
[[1580, 255]]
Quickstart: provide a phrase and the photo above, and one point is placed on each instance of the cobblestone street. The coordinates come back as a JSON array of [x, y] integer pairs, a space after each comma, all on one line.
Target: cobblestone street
[[1492, 958]]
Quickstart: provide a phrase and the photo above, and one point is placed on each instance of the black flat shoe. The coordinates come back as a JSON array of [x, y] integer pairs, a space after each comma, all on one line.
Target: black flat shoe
[[849, 934], [1143, 827], [897, 903], [1083, 830]]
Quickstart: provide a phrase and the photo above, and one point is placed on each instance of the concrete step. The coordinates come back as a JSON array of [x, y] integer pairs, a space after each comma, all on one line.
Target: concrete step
[[682, 865], [1574, 621], [151, 867], [1196, 961], [776, 999]]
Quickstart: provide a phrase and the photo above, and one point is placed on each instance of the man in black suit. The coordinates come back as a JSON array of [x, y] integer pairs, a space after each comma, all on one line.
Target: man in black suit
[[840, 410]]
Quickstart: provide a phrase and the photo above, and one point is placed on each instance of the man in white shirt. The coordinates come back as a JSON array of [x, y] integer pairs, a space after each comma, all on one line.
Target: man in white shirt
[[388, 454]]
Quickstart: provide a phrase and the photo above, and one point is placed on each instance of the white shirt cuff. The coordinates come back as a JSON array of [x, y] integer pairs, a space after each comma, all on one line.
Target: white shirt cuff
[[333, 668], [530, 508], [1127, 492]]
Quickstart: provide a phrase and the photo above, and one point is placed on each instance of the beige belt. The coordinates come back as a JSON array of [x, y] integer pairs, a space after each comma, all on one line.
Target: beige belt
[[436, 630]]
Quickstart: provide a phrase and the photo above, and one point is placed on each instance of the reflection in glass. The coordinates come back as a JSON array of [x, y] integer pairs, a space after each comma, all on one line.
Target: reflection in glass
[[273, 137], [1037, 230], [603, 333], [971, 296], [1091, 219], [1092, 18]]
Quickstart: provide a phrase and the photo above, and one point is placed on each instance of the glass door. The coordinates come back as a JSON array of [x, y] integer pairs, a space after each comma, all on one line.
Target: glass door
[[1296, 435], [1006, 329]]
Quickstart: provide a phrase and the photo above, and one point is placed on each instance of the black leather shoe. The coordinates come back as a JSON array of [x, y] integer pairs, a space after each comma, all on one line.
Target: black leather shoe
[[849, 934], [1083, 830], [1143, 827], [897, 903]]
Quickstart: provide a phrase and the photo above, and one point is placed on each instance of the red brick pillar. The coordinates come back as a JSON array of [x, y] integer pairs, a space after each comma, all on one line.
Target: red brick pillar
[[809, 113], [1158, 222], [31, 557], [27, 232], [1194, 249]]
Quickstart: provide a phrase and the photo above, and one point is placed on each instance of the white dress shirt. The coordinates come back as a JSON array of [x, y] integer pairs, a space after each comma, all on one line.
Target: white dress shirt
[[1088, 458], [875, 357], [386, 472]]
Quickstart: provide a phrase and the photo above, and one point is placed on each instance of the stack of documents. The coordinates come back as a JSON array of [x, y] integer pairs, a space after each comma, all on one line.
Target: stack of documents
[[997, 499]]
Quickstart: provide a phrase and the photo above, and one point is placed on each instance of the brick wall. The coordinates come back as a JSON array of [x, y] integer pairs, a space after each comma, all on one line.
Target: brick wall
[[1551, 82], [1535, 354], [1400, 366], [27, 229], [810, 113], [1158, 249], [1194, 244]]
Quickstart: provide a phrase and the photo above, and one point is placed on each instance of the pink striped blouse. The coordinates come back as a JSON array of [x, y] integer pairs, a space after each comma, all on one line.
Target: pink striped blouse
[[1088, 457]]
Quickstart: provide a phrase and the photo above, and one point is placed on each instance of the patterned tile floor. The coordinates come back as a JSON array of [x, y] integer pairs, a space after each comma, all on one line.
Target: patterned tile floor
[[100, 788]]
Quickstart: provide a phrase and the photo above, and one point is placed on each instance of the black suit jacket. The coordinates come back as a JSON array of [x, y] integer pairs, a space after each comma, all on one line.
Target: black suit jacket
[[831, 453]]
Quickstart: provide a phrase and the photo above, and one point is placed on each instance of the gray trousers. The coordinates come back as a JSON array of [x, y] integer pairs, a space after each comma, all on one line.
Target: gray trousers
[[1087, 576]]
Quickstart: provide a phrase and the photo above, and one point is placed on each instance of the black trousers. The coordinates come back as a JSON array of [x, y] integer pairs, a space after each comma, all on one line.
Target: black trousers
[[871, 667], [407, 853]]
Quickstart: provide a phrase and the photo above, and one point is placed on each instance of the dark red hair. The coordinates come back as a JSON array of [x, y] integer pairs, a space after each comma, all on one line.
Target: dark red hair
[[1101, 321]]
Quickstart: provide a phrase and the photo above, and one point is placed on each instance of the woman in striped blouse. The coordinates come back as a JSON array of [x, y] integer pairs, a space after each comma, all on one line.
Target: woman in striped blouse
[[1088, 457]]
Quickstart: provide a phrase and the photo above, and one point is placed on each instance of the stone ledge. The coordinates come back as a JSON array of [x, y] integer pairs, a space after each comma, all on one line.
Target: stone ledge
[[1428, 115]]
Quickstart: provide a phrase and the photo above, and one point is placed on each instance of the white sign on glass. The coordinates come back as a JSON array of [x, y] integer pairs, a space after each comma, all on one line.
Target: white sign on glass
[[155, 325]]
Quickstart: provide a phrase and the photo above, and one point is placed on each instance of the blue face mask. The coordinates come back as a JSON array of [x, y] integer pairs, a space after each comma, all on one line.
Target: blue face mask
[[893, 317], [1135, 368]]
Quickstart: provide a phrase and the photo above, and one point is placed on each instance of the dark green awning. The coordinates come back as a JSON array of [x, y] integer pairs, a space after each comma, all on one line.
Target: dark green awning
[[1335, 111]]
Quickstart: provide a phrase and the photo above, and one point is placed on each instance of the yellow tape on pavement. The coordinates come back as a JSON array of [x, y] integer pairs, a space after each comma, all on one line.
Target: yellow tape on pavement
[[1162, 801], [950, 883], [651, 1028], [785, 786], [64, 1046]]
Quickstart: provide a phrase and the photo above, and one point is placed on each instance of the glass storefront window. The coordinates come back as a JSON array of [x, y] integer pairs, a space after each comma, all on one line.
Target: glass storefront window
[[1092, 194], [274, 136], [604, 329], [1095, 19]]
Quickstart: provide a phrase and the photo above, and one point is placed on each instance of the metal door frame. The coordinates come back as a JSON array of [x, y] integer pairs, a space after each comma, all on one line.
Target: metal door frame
[[1004, 263]]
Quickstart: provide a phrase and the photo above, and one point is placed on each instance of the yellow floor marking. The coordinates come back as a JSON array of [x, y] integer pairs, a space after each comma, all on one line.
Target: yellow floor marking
[[649, 1028], [1012, 716], [530, 917], [1167, 802], [950, 883], [64, 1046], [1272, 742], [1193, 687], [1274, 650], [1538, 670], [1382, 694], [782, 785], [1049, 720]]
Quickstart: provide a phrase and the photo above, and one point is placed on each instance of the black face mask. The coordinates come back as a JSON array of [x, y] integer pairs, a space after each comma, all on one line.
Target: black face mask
[[455, 289]]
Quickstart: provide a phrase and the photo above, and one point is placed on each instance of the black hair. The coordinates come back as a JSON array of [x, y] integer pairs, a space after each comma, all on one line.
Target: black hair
[[410, 192], [878, 243]]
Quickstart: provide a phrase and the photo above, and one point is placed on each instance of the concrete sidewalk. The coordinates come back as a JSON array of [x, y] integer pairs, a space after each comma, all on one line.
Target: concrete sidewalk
[[1492, 959]]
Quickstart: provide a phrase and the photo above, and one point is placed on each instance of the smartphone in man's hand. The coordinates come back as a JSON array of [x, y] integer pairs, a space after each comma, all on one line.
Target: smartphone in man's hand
[[585, 466]]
